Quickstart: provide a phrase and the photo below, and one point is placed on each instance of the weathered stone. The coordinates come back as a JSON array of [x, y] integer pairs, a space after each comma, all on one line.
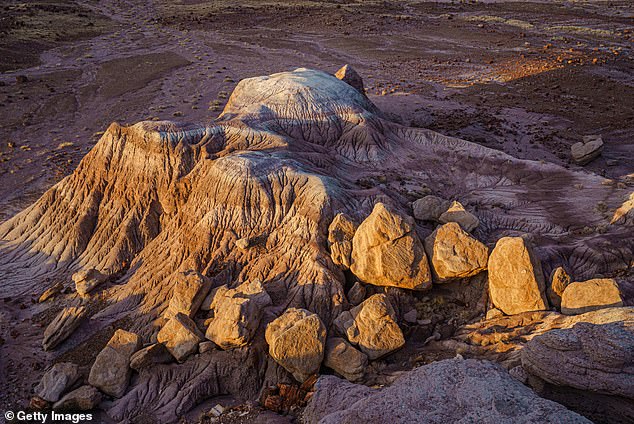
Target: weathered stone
[[372, 326], [242, 244], [190, 290], [411, 316], [87, 280], [457, 213], [356, 294], [348, 75], [516, 280], [51, 292], [586, 296], [206, 346], [57, 380], [340, 234], [559, 280], [454, 253], [111, 371], [85, 398], [624, 214], [180, 336], [587, 150], [430, 208], [343, 358], [296, 341], [63, 326], [494, 313], [237, 314], [156, 353], [387, 251]]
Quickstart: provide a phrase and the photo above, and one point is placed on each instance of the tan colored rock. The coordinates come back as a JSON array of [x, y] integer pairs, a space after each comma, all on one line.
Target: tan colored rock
[[586, 296], [237, 314], [386, 251], [356, 294], [516, 279], [190, 290], [494, 313], [587, 150], [180, 336], [430, 208], [624, 214], [242, 244], [340, 234], [297, 341], [348, 75], [559, 280], [51, 292], [155, 353], [85, 398], [343, 358], [454, 254], [87, 280], [372, 326], [111, 371], [57, 380], [457, 213], [63, 326]]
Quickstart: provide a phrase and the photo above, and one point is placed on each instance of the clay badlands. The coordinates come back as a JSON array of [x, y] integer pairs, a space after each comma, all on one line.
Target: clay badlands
[[208, 218]]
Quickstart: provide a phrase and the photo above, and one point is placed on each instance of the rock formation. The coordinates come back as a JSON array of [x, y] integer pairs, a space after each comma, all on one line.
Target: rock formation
[[180, 336], [585, 296], [559, 280], [345, 359], [57, 380], [340, 234]]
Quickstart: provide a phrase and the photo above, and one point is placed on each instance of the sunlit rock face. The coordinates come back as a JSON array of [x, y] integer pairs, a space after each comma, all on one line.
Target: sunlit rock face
[[154, 200]]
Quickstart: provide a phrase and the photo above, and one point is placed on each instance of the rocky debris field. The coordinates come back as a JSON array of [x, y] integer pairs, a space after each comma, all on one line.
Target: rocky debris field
[[326, 250]]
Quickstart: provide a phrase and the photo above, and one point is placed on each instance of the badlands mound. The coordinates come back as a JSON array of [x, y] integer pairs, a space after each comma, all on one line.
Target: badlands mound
[[288, 229]]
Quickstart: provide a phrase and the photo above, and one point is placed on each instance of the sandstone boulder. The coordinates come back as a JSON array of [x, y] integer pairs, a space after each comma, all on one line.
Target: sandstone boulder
[[85, 398], [348, 75], [457, 213], [372, 326], [386, 251], [190, 290], [356, 294], [587, 150], [430, 208], [111, 371], [57, 380], [340, 234], [559, 280], [454, 254], [516, 279], [343, 358], [180, 336], [624, 214], [449, 391], [155, 353], [87, 280], [63, 326], [51, 292], [586, 296], [237, 314], [297, 341]]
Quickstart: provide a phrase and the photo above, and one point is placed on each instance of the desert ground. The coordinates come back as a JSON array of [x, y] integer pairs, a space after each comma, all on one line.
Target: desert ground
[[529, 79]]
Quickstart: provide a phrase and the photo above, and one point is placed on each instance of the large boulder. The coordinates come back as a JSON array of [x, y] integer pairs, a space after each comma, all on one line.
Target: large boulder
[[84, 398], [454, 254], [429, 208], [386, 251], [180, 336], [343, 358], [559, 280], [87, 280], [57, 380], [340, 234], [150, 355], [297, 341], [449, 391], [63, 325], [457, 213], [348, 75], [111, 371], [587, 150], [237, 314], [516, 279], [586, 296], [190, 290], [372, 326]]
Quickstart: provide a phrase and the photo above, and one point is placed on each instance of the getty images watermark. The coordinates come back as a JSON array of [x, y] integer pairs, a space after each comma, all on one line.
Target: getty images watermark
[[46, 417]]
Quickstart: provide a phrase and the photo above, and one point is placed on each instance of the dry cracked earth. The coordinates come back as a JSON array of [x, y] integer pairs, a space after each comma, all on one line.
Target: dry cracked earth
[[200, 223]]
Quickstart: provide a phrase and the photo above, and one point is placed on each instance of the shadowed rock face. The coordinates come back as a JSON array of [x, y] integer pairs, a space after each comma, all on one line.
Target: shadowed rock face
[[156, 199]]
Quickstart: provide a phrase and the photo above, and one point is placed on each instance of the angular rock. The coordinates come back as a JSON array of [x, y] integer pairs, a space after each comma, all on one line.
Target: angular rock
[[411, 317], [156, 353], [372, 326], [457, 213], [454, 254], [386, 251], [348, 75], [586, 296], [51, 292], [516, 280], [85, 398], [559, 280], [63, 326], [356, 294], [297, 341], [206, 346], [180, 336], [449, 391], [430, 208], [242, 244], [624, 214], [343, 358], [111, 371], [87, 280], [340, 234], [237, 314], [57, 380], [190, 290], [587, 150]]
